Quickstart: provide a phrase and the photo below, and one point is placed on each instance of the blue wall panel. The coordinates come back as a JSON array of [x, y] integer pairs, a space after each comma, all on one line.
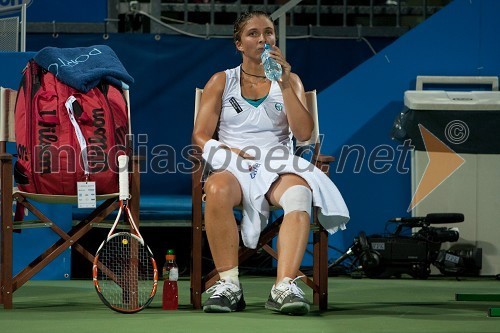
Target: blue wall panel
[[461, 39], [360, 95], [167, 70]]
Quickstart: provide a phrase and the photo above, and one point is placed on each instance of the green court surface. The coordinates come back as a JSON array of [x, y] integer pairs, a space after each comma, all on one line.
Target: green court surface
[[355, 305]]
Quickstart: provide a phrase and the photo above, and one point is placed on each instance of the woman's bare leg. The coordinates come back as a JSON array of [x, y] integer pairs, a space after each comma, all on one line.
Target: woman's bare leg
[[223, 193], [294, 230]]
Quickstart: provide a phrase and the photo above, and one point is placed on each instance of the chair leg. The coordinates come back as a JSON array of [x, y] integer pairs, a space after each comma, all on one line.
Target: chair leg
[[8, 283], [6, 289], [320, 270], [196, 242], [135, 190], [196, 268], [65, 241]]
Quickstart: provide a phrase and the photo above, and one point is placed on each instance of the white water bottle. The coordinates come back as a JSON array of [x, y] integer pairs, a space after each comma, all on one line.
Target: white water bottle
[[272, 69]]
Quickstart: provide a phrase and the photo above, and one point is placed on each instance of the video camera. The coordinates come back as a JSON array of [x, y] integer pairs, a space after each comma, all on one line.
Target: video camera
[[395, 254]]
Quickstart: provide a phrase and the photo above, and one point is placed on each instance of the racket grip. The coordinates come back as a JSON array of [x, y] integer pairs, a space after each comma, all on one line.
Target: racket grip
[[123, 177]]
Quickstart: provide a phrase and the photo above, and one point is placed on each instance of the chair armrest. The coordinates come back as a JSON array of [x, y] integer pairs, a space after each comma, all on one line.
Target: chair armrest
[[6, 170], [322, 162], [6, 157], [196, 155], [198, 164], [138, 157], [6, 193], [324, 158]]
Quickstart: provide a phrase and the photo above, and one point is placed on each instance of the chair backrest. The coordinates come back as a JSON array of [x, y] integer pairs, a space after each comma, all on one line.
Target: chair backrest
[[7, 106], [197, 99], [311, 104]]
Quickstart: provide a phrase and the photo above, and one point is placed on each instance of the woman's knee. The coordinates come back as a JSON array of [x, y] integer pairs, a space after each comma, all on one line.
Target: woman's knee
[[223, 187], [287, 180], [283, 183]]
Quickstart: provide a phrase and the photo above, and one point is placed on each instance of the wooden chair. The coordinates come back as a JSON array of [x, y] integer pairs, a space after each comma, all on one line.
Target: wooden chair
[[319, 280], [10, 195]]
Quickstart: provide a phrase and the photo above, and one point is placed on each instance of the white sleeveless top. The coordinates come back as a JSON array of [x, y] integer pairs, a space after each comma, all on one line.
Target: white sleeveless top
[[242, 125]]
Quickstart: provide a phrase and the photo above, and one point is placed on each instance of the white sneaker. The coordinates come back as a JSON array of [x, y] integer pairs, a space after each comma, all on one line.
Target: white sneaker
[[226, 297], [288, 298]]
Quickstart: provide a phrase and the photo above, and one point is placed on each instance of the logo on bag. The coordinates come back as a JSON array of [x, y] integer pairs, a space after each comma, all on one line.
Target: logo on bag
[[98, 143], [46, 138], [54, 67], [22, 152]]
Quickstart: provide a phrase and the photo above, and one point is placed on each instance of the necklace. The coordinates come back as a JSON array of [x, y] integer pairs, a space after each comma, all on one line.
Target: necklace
[[259, 76]]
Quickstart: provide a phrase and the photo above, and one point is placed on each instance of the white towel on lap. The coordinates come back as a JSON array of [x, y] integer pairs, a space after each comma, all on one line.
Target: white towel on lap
[[256, 177]]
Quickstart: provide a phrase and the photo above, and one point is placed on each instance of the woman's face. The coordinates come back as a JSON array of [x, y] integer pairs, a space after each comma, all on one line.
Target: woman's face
[[257, 31]]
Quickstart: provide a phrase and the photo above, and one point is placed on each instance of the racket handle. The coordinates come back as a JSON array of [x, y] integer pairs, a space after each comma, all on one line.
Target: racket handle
[[123, 177]]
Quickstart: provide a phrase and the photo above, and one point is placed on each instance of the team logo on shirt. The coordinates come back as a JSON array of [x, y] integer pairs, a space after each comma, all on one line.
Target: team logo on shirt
[[235, 105], [253, 170], [279, 106]]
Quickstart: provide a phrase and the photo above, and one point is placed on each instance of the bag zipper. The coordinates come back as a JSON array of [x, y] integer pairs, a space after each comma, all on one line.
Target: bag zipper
[[28, 95]]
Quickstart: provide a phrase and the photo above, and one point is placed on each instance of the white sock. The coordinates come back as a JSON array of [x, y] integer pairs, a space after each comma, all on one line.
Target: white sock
[[231, 275], [285, 280]]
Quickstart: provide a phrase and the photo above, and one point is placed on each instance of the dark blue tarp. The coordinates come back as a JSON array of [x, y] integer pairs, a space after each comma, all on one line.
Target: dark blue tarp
[[166, 72]]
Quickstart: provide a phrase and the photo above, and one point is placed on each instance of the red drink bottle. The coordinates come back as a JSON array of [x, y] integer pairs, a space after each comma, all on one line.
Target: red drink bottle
[[170, 300]]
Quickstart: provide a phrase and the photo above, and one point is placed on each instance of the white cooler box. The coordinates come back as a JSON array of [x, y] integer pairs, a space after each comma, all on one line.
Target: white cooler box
[[468, 122]]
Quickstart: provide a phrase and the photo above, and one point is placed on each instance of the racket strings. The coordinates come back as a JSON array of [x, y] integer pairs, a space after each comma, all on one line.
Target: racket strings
[[126, 273]]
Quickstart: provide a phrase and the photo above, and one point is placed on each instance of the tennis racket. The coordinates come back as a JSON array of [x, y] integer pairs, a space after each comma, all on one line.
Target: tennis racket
[[124, 272]]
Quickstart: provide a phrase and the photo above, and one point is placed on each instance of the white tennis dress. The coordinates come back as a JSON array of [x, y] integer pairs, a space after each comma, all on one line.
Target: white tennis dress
[[263, 132]]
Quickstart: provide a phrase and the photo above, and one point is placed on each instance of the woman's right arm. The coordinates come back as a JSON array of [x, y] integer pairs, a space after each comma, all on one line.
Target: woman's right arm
[[209, 109]]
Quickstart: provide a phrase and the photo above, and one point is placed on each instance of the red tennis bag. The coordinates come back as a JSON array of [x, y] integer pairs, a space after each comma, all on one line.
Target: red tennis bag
[[64, 136]]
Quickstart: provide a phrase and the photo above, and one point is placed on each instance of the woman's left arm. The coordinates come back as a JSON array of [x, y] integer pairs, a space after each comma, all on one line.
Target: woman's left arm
[[299, 118], [294, 97]]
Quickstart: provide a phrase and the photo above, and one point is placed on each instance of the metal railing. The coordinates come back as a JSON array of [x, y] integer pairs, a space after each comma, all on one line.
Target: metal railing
[[345, 8], [347, 18], [214, 18]]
